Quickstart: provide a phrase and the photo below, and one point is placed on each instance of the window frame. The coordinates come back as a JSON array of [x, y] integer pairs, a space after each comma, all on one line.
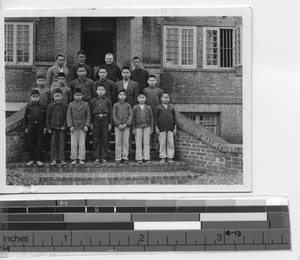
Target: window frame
[[14, 62], [179, 66], [218, 67], [235, 46]]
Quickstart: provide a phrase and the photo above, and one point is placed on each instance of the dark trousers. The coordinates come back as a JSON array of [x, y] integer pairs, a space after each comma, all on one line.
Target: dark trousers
[[100, 149], [58, 145], [35, 132]]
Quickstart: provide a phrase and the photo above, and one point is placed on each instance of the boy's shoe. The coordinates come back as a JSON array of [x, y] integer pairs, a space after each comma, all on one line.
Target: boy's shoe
[[126, 162], [147, 161], [162, 161], [140, 162], [53, 163], [170, 161], [74, 162], [96, 161], [81, 162], [30, 163], [63, 163], [39, 163], [118, 162], [103, 161]]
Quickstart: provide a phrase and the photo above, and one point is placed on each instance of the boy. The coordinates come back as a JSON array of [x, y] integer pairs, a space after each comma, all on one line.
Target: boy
[[45, 93], [34, 124], [78, 120], [55, 69], [153, 96], [131, 87], [81, 57], [65, 90], [56, 125], [166, 129], [86, 85], [101, 110], [142, 126], [122, 116], [110, 87], [138, 74]]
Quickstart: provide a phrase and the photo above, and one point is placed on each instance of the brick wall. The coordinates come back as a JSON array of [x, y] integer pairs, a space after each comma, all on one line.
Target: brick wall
[[123, 42], [73, 40], [45, 39], [206, 152]]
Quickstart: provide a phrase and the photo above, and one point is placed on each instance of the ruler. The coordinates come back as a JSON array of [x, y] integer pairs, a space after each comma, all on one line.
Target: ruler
[[144, 225]]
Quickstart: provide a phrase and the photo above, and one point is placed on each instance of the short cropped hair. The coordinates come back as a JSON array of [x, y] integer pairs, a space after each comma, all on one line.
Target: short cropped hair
[[81, 52], [122, 91], [34, 92], [77, 90], [80, 67], [125, 68], [61, 74], [56, 90], [136, 57], [41, 76], [59, 55]]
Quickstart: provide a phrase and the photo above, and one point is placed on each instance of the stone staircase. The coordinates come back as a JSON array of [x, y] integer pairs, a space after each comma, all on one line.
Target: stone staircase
[[201, 158]]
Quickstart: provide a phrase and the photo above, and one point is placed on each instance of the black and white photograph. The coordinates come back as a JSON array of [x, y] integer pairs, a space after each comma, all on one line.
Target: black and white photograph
[[101, 101]]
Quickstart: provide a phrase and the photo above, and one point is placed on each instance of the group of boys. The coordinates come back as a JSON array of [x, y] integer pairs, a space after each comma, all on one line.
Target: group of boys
[[56, 107]]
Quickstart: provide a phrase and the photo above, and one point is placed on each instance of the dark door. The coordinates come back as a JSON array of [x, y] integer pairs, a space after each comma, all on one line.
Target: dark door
[[98, 37]]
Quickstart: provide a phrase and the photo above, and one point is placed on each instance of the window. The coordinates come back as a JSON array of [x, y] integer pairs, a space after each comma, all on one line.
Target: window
[[18, 43], [222, 47], [180, 47], [211, 121], [237, 46]]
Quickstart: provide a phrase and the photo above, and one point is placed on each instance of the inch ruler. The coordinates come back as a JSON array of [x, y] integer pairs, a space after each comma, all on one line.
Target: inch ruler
[[144, 225]]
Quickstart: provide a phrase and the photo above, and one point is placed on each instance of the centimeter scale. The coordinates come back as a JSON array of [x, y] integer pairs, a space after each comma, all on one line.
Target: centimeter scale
[[144, 225]]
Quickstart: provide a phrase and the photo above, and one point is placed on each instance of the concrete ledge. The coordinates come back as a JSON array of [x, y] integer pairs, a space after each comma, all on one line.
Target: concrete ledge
[[206, 136], [15, 120]]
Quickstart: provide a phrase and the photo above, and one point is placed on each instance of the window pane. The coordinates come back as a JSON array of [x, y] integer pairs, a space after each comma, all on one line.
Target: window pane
[[172, 46], [237, 46], [23, 43], [211, 46], [9, 37], [187, 40]]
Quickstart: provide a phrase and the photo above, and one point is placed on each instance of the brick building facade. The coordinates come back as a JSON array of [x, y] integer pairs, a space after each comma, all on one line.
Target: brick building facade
[[196, 59]]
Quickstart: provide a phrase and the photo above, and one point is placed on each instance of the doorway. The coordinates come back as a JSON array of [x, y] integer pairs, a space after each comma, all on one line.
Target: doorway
[[98, 37]]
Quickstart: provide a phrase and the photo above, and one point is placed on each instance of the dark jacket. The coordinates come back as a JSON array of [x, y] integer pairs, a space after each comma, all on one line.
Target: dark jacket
[[78, 116], [142, 118], [165, 118], [56, 115], [35, 113], [141, 77]]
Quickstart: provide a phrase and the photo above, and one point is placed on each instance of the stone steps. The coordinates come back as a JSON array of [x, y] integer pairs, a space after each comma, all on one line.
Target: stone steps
[[110, 174]]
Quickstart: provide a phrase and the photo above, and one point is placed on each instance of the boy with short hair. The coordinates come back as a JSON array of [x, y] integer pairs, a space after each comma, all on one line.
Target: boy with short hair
[[101, 111], [58, 67], [142, 126], [138, 74], [34, 124], [153, 96], [62, 85], [166, 129], [81, 57], [110, 87], [122, 116], [86, 85], [56, 125], [78, 120], [45, 93]]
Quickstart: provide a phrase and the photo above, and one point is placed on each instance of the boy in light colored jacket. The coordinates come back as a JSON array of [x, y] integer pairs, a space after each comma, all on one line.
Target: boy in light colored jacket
[[78, 121]]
